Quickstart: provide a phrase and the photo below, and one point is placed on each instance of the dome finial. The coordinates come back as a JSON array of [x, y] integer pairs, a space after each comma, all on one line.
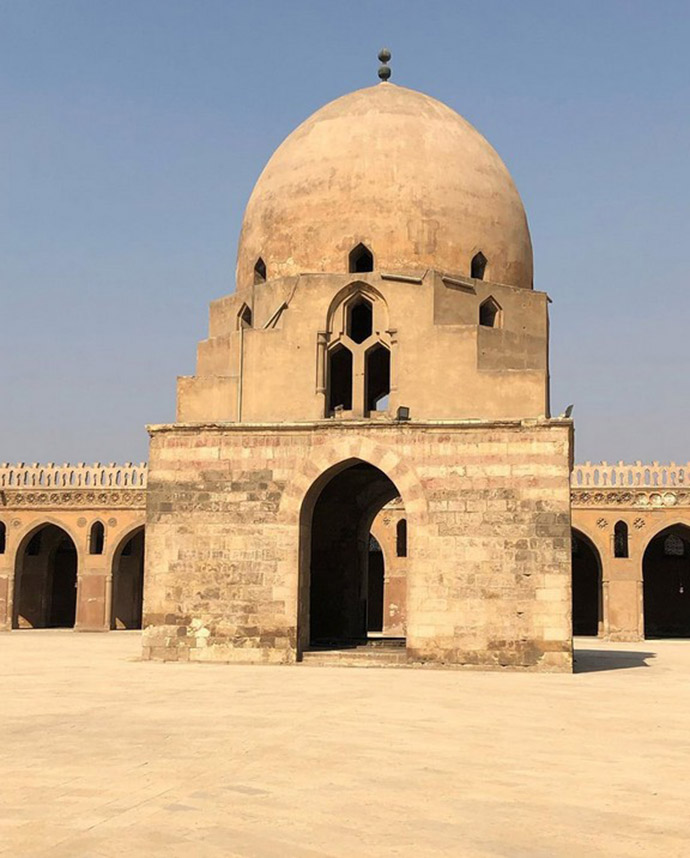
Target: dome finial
[[384, 70]]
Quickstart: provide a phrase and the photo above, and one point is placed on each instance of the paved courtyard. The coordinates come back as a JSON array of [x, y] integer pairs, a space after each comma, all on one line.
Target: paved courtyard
[[103, 755]]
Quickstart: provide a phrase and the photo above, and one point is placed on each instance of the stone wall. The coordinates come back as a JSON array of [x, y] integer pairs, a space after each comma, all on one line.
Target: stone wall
[[488, 514], [649, 498], [73, 498]]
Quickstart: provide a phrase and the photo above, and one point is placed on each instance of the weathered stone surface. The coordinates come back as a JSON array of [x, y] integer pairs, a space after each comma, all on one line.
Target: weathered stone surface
[[487, 572]]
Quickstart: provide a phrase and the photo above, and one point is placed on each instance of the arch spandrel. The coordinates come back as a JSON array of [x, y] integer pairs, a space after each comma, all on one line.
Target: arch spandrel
[[24, 533], [326, 458], [662, 526]]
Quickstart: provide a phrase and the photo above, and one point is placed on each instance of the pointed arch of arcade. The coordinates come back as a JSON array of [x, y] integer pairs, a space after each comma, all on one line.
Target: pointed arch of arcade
[[126, 590], [666, 584], [44, 589], [300, 497], [587, 586]]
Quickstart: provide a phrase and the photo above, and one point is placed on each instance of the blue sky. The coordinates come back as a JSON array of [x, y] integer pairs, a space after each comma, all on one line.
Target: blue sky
[[132, 134]]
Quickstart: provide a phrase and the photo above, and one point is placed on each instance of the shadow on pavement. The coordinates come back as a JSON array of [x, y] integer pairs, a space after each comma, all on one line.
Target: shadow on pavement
[[591, 660]]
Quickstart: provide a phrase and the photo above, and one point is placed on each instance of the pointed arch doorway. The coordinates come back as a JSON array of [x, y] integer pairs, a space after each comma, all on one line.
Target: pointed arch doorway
[[587, 591], [46, 580], [336, 598], [666, 584], [128, 582]]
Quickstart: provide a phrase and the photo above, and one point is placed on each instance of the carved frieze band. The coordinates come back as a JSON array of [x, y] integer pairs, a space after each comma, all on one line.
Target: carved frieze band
[[119, 499], [637, 499]]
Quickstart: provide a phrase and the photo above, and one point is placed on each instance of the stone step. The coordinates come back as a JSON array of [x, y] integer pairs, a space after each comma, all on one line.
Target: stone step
[[362, 656]]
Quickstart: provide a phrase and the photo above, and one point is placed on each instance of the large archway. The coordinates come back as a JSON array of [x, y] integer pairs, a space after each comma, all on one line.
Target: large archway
[[586, 586], [666, 584], [45, 588], [128, 582], [339, 605]]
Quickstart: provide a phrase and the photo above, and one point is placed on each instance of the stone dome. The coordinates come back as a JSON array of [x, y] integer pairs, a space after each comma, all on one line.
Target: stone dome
[[397, 171]]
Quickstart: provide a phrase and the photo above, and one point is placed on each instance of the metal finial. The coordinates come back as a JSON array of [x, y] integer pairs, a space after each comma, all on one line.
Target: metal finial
[[384, 58]]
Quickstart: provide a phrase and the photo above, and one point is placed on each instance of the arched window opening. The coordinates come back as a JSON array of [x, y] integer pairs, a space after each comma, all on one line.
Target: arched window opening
[[489, 314], [620, 539], [478, 266], [674, 546], [33, 549], [259, 271], [401, 538], [244, 317], [96, 538], [340, 379], [361, 260], [3, 537], [377, 378], [360, 320]]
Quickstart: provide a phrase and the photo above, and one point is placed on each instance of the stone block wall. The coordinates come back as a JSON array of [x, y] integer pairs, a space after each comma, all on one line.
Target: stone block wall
[[487, 505]]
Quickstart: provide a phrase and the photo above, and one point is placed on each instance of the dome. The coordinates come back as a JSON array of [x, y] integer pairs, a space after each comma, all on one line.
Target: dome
[[397, 171]]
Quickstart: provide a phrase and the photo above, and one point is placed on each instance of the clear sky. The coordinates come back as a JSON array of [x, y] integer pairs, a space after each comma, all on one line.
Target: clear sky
[[132, 132]]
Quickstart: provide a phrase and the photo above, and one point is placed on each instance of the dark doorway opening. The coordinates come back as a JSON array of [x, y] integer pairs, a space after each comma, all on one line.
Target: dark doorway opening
[[666, 584], [587, 595], [342, 572], [128, 583], [46, 580]]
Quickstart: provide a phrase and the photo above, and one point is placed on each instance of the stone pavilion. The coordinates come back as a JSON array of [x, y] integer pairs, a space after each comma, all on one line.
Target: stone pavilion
[[384, 345]]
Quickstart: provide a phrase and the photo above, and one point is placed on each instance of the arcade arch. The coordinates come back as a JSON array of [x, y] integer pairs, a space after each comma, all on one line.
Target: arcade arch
[[586, 586], [128, 581], [666, 583], [45, 579]]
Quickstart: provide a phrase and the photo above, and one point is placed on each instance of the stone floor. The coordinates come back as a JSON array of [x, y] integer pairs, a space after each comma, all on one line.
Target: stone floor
[[103, 755]]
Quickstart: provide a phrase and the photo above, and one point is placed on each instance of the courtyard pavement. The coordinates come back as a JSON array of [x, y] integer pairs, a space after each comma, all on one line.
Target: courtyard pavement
[[104, 755]]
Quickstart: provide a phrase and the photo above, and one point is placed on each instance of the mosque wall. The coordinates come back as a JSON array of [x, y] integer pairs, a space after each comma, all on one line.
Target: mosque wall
[[621, 509], [59, 505], [651, 500]]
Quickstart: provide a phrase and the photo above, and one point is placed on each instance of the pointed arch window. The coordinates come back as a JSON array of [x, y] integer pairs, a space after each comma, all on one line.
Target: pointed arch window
[[360, 260], [478, 266], [674, 546], [490, 313], [244, 317], [97, 538], [377, 378], [259, 271], [620, 539], [339, 379], [3, 537], [360, 320], [354, 354]]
